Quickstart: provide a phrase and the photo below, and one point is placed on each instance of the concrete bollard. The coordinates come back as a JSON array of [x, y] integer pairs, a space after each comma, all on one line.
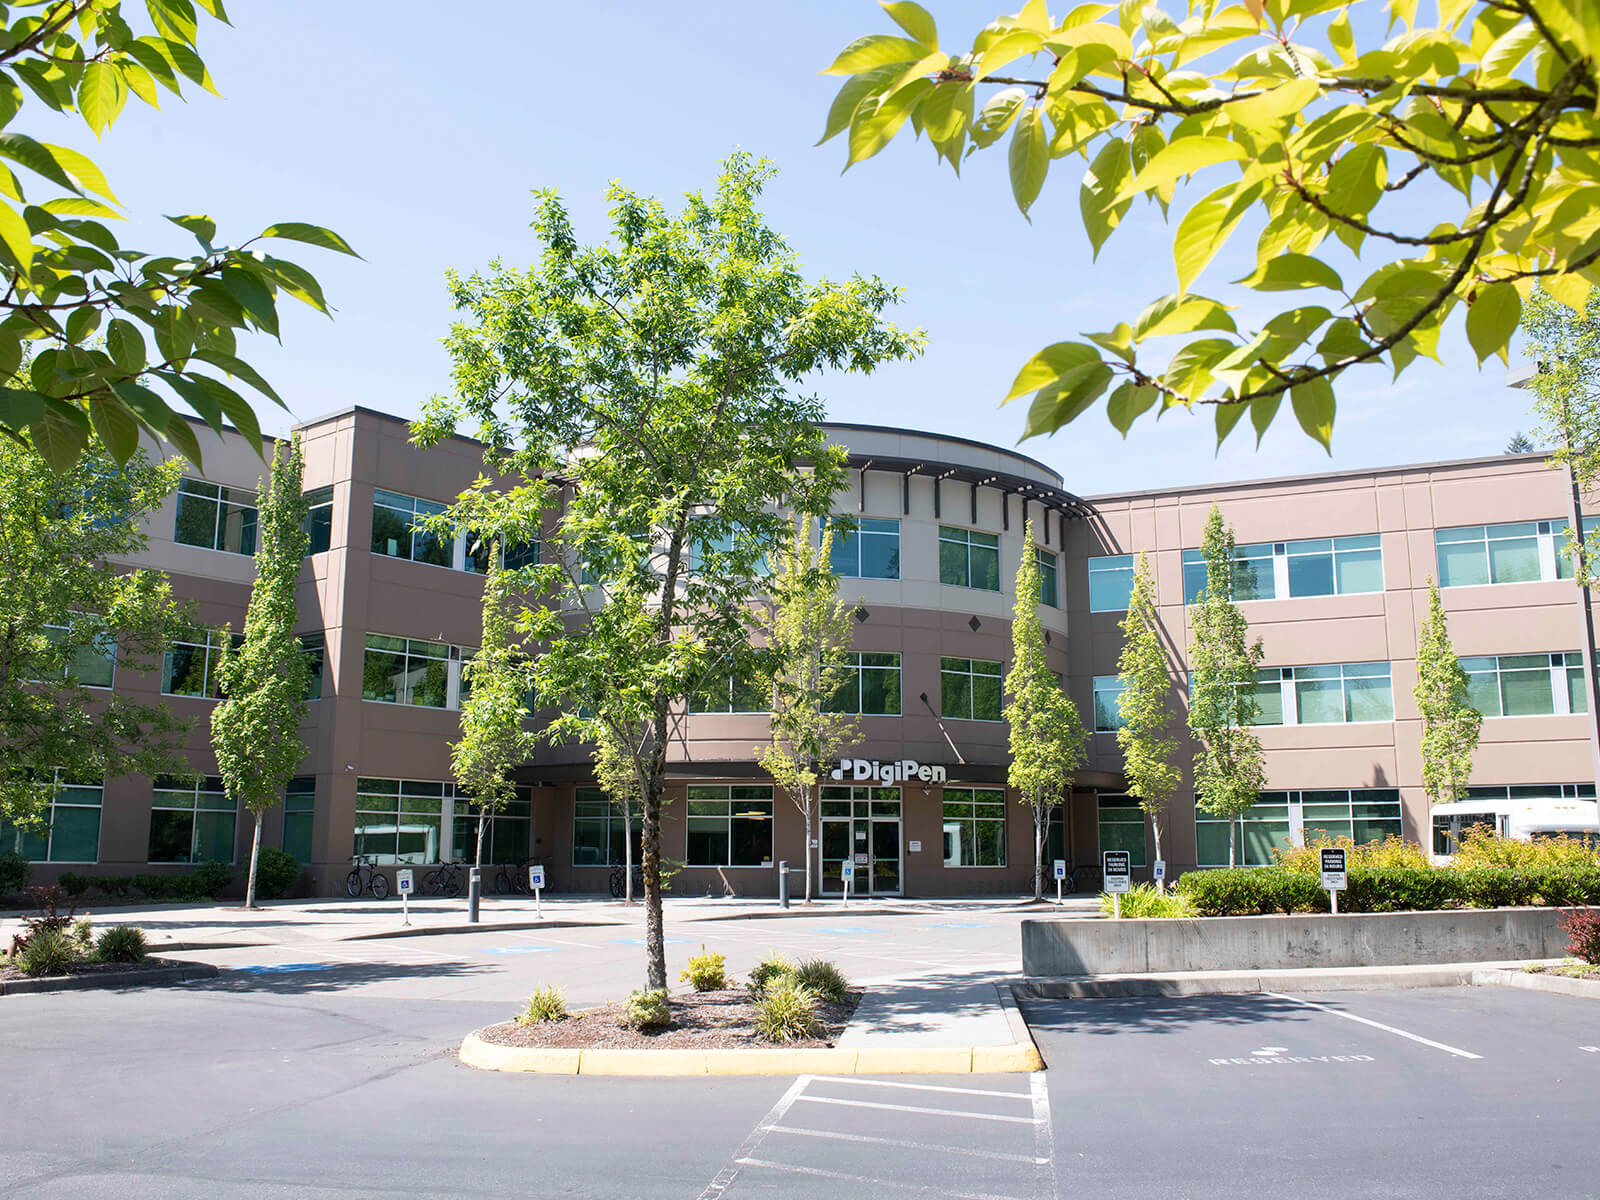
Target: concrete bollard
[[474, 889], [783, 884]]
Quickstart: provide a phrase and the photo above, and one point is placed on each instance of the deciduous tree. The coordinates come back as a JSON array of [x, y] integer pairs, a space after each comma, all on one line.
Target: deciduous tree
[[1146, 737], [1450, 725], [1456, 154]]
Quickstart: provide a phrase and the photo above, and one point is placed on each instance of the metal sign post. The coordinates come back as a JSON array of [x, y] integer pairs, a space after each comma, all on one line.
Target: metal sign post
[[1116, 868], [402, 884], [536, 882], [1160, 872], [846, 870], [1060, 875], [1334, 878]]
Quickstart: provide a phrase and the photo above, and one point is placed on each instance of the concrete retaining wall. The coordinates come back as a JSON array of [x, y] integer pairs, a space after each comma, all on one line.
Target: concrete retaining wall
[[1063, 946]]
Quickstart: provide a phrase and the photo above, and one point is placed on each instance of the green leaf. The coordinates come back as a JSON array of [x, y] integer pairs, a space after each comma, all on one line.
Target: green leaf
[[20, 407], [297, 281], [875, 50], [1066, 398], [1189, 372], [1029, 158], [1050, 364], [1290, 272], [174, 18], [18, 240], [312, 235], [115, 425], [1266, 112], [181, 434], [1005, 50], [1227, 417], [234, 406], [1314, 405], [186, 60], [1262, 410], [996, 115], [150, 54], [1507, 52], [146, 405], [253, 296], [878, 118], [20, 148], [61, 435], [141, 83], [203, 228], [851, 93], [101, 95], [1341, 38], [240, 369], [1205, 229], [914, 19], [1097, 202], [125, 344], [1127, 403], [80, 206], [82, 323], [1492, 318], [1181, 314], [1180, 157], [81, 169]]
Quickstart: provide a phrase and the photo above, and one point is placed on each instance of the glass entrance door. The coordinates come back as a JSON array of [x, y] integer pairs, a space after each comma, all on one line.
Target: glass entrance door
[[861, 825]]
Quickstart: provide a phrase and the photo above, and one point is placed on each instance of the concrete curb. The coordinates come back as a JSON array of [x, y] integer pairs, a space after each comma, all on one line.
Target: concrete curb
[[150, 977], [1223, 983], [482, 927], [1555, 985]]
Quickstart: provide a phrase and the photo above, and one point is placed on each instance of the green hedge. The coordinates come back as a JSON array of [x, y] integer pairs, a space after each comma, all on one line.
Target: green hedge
[[201, 884], [1258, 890]]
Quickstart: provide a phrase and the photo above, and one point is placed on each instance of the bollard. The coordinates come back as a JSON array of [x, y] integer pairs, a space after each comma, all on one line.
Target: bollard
[[783, 884], [474, 884]]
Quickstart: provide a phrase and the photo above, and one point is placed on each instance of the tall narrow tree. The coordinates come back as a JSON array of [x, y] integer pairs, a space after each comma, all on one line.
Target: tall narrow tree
[[1450, 725], [1228, 768], [617, 753], [1046, 734], [808, 646], [494, 739], [255, 730], [1146, 737]]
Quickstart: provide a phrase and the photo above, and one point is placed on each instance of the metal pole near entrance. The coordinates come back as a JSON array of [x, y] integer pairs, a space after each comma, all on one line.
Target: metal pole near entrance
[[783, 884]]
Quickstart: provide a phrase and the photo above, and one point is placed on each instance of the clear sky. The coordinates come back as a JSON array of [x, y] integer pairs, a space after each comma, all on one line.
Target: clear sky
[[418, 130]]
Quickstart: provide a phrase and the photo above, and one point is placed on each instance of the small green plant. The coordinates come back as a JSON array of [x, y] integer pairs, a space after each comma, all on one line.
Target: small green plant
[[773, 966], [787, 1012], [75, 884], [647, 1009], [121, 944], [546, 1004], [50, 951], [823, 978], [276, 872], [83, 935], [706, 972], [1147, 900]]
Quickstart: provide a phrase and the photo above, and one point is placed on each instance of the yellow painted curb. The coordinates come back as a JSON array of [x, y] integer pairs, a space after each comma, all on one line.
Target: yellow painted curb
[[995, 1060], [488, 1056], [642, 1062], [809, 1060], [914, 1060]]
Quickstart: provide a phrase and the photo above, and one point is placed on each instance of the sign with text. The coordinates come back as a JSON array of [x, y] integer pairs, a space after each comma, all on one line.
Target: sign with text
[[1333, 872], [1060, 869], [898, 771], [861, 858], [1160, 871], [536, 877], [1117, 868], [402, 882]]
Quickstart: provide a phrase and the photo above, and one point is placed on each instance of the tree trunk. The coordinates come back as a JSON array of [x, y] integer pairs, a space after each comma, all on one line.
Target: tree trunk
[[1233, 834], [809, 857], [1039, 814], [477, 858], [1155, 831], [654, 939], [255, 856], [627, 850]]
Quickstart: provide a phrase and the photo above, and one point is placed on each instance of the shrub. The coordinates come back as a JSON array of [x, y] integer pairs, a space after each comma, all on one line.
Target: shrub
[[49, 951], [1481, 846], [823, 978], [13, 873], [276, 872], [647, 1009], [121, 944], [1147, 900], [706, 972], [1400, 889], [74, 884], [202, 884], [546, 1004], [1582, 927], [1238, 891], [773, 966], [1389, 853], [787, 1012], [83, 935]]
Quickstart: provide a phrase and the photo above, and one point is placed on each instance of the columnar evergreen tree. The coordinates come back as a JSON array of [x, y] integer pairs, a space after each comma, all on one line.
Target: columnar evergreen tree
[[494, 740], [654, 378], [70, 619], [1565, 348], [1450, 725], [1047, 736], [255, 730], [1228, 768], [1149, 745], [617, 754], [808, 646]]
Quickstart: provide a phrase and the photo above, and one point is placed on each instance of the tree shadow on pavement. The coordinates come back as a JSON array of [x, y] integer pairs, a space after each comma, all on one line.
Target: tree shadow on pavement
[[319, 977], [1156, 1014]]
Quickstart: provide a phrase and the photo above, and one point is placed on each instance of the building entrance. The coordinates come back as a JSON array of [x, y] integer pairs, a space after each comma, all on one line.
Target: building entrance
[[861, 824]]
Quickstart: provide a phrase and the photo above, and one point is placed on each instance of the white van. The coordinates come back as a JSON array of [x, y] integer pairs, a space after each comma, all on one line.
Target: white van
[[1517, 813]]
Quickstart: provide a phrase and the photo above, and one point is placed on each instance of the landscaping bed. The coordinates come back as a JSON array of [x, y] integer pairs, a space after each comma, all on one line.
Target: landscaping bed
[[10, 972], [712, 1020], [1572, 970]]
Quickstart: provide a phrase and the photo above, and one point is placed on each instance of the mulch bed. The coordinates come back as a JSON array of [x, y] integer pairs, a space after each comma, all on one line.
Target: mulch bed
[[9, 972], [700, 1021]]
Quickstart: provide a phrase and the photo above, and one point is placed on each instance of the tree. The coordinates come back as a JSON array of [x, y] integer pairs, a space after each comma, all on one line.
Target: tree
[[617, 755], [493, 739], [1565, 348], [70, 618], [1520, 443], [1228, 769], [81, 304], [1046, 734], [254, 731], [652, 379], [1458, 152], [1450, 725], [808, 635], [1149, 746]]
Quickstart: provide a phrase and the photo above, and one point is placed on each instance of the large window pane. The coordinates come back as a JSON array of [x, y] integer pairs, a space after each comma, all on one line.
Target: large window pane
[[171, 835], [1514, 560], [1110, 583], [1461, 564], [1319, 695], [1525, 686], [1359, 568]]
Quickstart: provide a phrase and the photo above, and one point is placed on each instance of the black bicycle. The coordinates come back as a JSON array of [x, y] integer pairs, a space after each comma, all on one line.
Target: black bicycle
[[618, 882], [512, 879], [365, 879], [446, 881]]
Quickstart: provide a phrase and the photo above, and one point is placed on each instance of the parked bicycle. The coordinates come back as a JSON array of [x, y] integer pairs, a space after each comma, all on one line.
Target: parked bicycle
[[512, 879], [364, 879], [618, 884], [446, 881]]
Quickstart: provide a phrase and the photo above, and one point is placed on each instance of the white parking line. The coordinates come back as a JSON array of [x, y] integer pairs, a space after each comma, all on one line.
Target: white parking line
[[1459, 1053], [902, 1143], [729, 1173], [858, 1081], [909, 1108], [819, 1173], [1044, 1137]]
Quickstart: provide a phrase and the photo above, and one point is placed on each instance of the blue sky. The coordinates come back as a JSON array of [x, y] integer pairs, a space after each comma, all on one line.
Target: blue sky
[[418, 132]]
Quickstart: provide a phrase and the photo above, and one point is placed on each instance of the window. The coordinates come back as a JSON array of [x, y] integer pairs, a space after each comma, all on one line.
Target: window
[[1519, 552], [728, 694], [396, 533], [1335, 566], [522, 554], [1111, 582], [299, 806], [70, 832], [319, 520], [871, 685], [1562, 534], [871, 552], [597, 829], [406, 671], [968, 558], [969, 688], [399, 821], [191, 821], [974, 827], [507, 837], [1282, 819], [1526, 685], [1049, 583], [314, 645], [1107, 709], [1255, 576], [215, 518], [730, 827], [92, 662], [513, 555], [1324, 694], [190, 668], [1122, 826]]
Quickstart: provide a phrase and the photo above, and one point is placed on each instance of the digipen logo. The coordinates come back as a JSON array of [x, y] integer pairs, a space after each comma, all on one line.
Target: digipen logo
[[862, 769]]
